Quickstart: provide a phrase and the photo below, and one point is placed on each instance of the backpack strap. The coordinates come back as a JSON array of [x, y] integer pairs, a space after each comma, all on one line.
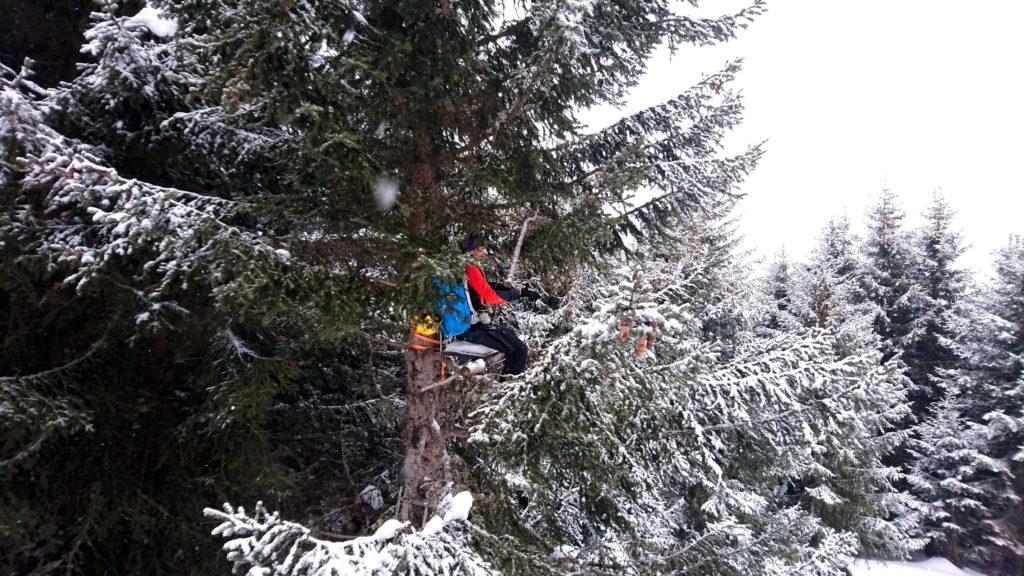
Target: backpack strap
[[469, 300]]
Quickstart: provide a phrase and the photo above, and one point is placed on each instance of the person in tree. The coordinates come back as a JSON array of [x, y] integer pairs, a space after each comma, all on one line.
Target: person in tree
[[482, 294]]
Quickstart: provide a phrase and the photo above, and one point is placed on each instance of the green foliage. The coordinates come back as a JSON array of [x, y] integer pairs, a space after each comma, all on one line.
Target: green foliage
[[713, 450], [201, 255]]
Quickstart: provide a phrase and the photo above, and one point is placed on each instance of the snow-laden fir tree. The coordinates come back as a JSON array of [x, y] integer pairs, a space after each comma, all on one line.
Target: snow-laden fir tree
[[857, 489], [995, 344], [150, 322], [839, 244], [888, 280], [889, 284], [826, 291], [225, 219], [993, 398], [941, 287], [953, 477], [699, 434], [778, 289]]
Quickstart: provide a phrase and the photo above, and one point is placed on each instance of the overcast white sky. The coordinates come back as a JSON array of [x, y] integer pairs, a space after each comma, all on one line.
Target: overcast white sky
[[918, 94]]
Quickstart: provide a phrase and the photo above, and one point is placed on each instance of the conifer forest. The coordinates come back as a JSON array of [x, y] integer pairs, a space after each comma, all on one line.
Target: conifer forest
[[230, 232]]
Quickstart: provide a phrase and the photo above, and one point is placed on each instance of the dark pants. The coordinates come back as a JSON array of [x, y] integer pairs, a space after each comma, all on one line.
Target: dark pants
[[503, 339]]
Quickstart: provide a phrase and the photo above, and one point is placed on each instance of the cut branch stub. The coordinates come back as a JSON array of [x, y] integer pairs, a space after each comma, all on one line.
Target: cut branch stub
[[641, 344]]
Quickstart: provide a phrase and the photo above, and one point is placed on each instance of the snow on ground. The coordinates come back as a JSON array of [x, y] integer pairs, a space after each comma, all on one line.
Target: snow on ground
[[929, 567]]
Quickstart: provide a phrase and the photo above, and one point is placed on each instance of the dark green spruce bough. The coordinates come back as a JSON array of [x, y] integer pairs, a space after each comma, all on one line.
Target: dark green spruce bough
[[203, 278], [155, 335]]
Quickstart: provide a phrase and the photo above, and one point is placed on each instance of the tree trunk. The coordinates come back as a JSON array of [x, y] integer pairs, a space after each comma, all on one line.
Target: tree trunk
[[425, 470]]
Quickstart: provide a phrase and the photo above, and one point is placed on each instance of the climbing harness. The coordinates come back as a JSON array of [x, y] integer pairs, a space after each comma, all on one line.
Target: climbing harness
[[476, 317]]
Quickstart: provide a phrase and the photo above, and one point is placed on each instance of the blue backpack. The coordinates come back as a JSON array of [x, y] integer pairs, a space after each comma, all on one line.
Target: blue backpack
[[453, 308]]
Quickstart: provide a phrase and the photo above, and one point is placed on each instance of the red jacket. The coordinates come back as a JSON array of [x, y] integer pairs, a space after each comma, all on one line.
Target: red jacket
[[475, 279]]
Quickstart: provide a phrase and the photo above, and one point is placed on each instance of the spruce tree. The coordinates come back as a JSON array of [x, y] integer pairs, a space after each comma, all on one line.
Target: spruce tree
[[950, 472], [888, 281], [230, 214], [826, 292], [953, 476], [839, 244], [942, 284], [994, 349], [778, 287], [853, 489], [149, 330]]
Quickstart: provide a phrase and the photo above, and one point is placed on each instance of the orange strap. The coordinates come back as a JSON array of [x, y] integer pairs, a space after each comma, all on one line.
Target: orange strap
[[421, 337], [417, 336], [435, 344]]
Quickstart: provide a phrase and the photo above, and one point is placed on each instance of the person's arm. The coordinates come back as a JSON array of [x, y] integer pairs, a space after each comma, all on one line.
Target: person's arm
[[509, 294], [475, 279], [513, 294]]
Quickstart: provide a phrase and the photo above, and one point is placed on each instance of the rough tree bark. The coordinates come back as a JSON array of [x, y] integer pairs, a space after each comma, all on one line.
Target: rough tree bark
[[425, 471]]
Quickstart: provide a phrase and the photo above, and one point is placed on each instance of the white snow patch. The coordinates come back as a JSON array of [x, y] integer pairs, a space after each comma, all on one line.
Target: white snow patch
[[389, 530], [326, 51], [372, 496], [673, 326], [589, 367], [156, 22], [433, 526], [593, 328], [929, 567], [476, 366], [456, 509], [461, 503], [386, 192], [825, 494], [564, 552]]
